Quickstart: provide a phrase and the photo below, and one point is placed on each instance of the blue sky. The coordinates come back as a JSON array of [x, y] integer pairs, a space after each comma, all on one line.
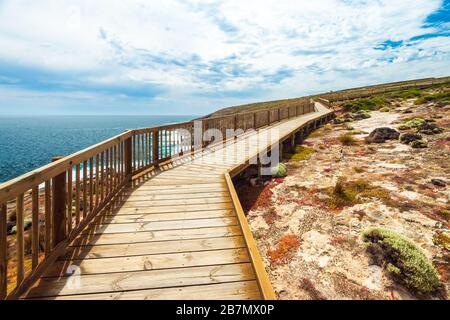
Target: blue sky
[[195, 56]]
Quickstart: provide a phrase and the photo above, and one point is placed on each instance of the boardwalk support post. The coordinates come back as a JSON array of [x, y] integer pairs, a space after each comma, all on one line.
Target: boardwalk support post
[[299, 136], [292, 143], [59, 206]]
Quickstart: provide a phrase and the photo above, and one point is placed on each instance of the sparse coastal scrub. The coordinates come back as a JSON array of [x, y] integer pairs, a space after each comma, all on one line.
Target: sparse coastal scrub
[[340, 192]]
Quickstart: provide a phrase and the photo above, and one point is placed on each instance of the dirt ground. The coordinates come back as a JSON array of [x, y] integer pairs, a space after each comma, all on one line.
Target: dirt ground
[[313, 250]]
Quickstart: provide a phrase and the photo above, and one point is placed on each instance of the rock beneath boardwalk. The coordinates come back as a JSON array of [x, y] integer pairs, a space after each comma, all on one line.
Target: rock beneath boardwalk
[[407, 138], [380, 135], [438, 182]]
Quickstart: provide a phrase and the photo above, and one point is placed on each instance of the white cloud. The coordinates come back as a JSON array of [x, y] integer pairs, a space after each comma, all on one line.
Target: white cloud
[[213, 47]]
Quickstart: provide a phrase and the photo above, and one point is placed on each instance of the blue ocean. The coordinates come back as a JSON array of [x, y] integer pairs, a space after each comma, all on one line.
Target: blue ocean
[[26, 143]]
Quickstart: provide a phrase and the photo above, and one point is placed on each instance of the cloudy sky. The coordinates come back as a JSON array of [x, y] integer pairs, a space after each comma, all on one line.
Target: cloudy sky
[[195, 56]]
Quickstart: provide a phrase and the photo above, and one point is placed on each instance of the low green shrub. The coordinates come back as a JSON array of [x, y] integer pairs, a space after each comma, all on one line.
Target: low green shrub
[[348, 193], [403, 259], [300, 153], [366, 104], [412, 124], [434, 97], [419, 144], [404, 94], [279, 171]]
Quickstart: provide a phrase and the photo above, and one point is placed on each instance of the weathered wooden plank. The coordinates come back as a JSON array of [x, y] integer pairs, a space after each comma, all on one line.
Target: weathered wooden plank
[[242, 290], [174, 188], [188, 174], [180, 208], [148, 195], [129, 218], [135, 249], [143, 203], [169, 182], [151, 279], [148, 262], [160, 225], [192, 190], [163, 235]]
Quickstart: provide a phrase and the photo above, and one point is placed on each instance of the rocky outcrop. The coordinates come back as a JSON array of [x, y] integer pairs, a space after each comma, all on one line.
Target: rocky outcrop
[[438, 182], [380, 135]]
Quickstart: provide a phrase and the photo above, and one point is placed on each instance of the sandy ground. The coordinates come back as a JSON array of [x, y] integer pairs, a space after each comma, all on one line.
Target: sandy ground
[[325, 256]]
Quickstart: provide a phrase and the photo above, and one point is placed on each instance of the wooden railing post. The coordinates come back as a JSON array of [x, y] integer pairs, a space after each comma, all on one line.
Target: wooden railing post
[[128, 157], [155, 147], [59, 207], [3, 252]]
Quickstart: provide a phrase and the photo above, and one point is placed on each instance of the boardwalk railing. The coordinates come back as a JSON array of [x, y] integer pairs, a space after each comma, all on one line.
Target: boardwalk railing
[[43, 210]]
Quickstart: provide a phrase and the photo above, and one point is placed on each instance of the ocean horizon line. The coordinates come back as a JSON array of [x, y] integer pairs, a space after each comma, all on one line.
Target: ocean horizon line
[[102, 115]]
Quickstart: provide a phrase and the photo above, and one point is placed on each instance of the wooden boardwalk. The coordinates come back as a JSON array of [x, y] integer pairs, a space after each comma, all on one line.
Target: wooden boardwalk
[[175, 233]]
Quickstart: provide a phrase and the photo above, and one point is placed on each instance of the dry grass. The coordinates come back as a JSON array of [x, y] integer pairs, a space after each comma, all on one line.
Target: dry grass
[[347, 139], [345, 194]]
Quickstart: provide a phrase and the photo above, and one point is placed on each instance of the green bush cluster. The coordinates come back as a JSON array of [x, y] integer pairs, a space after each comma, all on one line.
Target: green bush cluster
[[403, 259], [422, 126], [434, 97], [349, 117], [366, 104], [419, 144], [404, 94], [279, 171], [412, 124]]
